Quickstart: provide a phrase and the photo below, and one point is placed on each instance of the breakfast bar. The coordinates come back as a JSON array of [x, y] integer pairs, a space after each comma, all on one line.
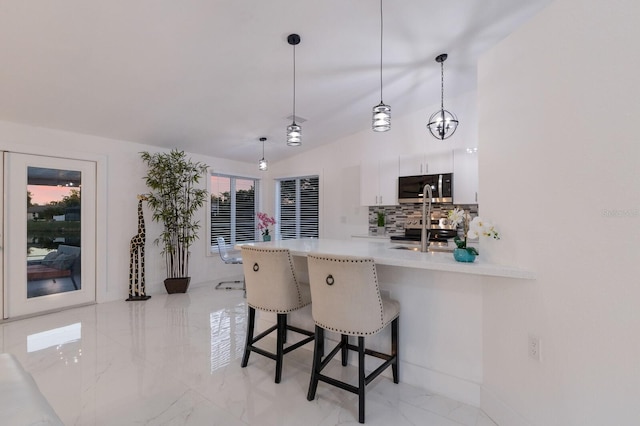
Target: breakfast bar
[[441, 320], [390, 254]]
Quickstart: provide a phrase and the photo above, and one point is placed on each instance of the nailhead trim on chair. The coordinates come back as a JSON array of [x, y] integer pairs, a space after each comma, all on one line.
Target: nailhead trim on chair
[[352, 333], [277, 250], [375, 276]]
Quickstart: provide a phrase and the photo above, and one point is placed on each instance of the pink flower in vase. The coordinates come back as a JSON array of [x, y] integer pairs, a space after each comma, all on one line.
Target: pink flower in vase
[[264, 222]]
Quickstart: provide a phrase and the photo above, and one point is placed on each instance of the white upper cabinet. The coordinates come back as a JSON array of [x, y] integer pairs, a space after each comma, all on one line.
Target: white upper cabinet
[[379, 183], [426, 164], [465, 176]]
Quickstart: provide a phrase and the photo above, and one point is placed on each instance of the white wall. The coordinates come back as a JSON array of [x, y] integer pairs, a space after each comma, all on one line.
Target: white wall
[[559, 157], [120, 172]]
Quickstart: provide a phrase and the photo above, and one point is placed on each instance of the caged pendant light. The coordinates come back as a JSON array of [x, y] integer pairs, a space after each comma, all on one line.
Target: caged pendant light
[[262, 164], [294, 131], [381, 120], [442, 123]]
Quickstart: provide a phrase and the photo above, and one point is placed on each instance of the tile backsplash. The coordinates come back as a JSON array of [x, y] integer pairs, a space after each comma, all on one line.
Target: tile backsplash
[[395, 216]]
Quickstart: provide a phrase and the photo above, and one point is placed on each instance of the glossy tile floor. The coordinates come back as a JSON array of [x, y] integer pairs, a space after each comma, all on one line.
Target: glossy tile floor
[[175, 360]]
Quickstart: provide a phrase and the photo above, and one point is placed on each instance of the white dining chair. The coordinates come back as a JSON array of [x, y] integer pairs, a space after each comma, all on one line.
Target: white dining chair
[[228, 259]]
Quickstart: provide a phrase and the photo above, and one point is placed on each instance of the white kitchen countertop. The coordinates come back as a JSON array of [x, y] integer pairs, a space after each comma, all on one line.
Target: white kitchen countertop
[[372, 236], [384, 254]]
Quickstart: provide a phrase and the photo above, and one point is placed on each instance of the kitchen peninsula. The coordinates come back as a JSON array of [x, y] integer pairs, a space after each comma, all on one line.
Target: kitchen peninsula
[[441, 319], [389, 254]]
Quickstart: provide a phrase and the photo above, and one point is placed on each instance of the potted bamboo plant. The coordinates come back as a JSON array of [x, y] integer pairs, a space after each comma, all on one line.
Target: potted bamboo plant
[[174, 200]]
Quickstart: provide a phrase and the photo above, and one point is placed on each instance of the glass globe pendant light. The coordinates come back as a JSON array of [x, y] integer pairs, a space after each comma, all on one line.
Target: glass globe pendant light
[[442, 123], [294, 131], [381, 120], [262, 164]]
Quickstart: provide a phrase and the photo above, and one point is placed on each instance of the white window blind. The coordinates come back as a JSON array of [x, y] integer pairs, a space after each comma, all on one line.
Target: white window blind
[[233, 209], [298, 207]]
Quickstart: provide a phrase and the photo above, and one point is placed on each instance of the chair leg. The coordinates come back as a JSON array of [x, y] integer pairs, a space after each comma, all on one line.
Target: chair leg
[[280, 339], [249, 341], [219, 285], [361, 379], [395, 367], [318, 351], [345, 350], [284, 336]]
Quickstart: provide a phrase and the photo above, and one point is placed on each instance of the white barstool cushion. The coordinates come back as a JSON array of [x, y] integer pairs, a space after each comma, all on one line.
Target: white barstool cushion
[[346, 296]]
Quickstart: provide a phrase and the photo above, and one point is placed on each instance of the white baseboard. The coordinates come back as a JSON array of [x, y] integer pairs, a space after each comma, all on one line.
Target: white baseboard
[[501, 413], [453, 387], [443, 384]]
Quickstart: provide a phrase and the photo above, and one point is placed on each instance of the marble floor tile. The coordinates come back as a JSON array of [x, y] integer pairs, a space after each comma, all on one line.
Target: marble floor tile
[[175, 360]]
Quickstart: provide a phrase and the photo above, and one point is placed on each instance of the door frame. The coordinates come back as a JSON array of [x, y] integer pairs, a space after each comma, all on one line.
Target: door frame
[[101, 213]]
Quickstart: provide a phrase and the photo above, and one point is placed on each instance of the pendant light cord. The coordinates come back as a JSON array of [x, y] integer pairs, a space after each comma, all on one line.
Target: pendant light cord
[[442, 85], [294, 84], [381, 34]]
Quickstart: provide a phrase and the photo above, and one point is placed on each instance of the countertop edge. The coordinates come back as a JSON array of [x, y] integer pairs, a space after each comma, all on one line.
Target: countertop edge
[[383, 254]]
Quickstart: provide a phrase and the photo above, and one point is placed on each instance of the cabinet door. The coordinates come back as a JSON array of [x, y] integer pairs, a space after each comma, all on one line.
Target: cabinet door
[[388, 182], [465, 177], [429, 164], [369, 184], [412, 165], [440, 162], [379, 183]]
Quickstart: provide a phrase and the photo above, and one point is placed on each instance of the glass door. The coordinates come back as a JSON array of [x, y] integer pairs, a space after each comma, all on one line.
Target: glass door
[[49, 246]]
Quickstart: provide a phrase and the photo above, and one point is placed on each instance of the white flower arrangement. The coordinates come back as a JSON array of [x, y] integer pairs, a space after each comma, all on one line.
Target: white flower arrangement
[[479, 227], [472, 229]]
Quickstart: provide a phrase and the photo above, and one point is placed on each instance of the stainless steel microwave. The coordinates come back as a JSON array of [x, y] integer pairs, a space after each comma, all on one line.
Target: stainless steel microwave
[[410, 188]]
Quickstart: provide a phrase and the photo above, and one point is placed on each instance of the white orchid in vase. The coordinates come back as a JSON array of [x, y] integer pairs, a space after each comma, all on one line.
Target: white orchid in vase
[[472, 228]]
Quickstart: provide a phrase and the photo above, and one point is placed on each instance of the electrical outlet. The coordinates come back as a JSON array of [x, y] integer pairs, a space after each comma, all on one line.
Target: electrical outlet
[[534, 348]]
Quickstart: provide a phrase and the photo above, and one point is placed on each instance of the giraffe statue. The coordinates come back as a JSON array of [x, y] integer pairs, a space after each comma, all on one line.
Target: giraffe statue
[[136, 258]]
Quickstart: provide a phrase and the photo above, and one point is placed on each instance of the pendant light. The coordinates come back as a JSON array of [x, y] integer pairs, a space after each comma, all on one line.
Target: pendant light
[[262, 164], [294, 131], [442, 123], [381, 120]]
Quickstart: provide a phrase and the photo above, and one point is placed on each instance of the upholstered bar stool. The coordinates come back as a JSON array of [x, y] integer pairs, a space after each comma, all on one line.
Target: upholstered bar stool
[[347, 300], [272, 286]]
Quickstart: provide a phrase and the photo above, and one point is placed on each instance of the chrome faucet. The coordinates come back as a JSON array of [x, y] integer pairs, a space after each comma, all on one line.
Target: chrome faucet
[[426, 217]]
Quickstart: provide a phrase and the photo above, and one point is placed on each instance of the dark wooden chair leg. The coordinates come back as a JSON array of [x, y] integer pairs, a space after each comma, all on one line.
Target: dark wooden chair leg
[[318, 349], [395, 367], [284, 339], [345, 349], [249, 341], [361, 379], [280, 338]]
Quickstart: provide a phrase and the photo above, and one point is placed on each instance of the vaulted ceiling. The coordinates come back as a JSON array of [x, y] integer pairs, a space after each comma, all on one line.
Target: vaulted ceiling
[[212, 76]]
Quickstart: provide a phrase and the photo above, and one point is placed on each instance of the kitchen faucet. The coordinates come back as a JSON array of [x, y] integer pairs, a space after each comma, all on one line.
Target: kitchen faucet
[[426, 216]]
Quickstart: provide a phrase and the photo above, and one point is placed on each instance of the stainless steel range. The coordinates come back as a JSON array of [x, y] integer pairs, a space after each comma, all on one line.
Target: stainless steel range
[[440, 231]]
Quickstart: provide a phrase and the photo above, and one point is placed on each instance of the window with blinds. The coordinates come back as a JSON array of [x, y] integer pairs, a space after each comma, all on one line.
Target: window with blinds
[[233, 209], [297, 208]]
